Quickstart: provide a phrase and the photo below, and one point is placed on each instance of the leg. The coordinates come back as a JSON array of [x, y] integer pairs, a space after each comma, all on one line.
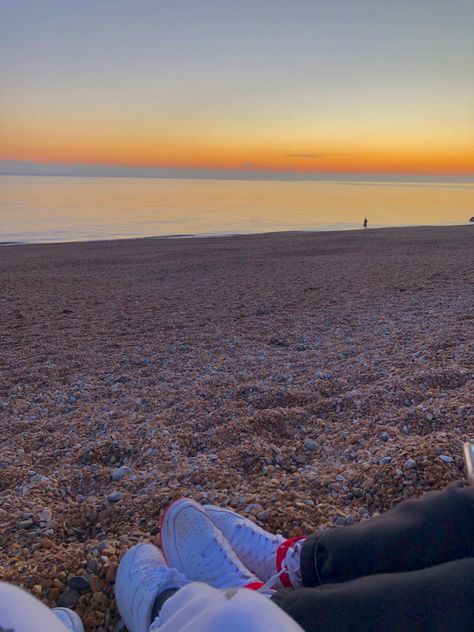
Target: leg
[[434, 599], [200, 608], [147, 590], [436, 528], [21, 612]]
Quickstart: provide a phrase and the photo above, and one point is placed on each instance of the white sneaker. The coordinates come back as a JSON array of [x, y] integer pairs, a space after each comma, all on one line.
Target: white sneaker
[[69, 618], [195, 546], [141, 576], [265, 554]]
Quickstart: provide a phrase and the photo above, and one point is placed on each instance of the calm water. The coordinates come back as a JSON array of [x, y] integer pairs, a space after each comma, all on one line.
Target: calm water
[[48, 209]]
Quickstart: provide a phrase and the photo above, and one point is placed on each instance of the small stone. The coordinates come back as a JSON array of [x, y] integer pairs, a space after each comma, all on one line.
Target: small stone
[[115, 497], [25, 524], [300, 459], [323, 375], [111, 573], [53, 594], [45, 517], [96, 584], [385, 460], [253, 508], [79, 582], [309, 444], [446, 458], [262, 515], [410, 464], [120, 472], [68, 599], [309, 502], [385, 436]]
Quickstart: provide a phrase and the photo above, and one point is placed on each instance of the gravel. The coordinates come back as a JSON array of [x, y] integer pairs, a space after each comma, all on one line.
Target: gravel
[[190, 365]]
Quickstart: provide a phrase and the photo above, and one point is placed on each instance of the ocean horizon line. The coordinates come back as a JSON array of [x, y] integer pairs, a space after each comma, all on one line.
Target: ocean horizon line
[[85, 170]]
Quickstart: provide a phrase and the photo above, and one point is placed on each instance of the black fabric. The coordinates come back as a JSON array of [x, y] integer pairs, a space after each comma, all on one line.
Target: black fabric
[[159, 601], [411, 568], [440, 598]]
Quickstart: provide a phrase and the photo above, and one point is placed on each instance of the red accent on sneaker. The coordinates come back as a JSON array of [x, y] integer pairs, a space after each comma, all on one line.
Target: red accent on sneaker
[[253, 585], [161, 523], [280, 556]]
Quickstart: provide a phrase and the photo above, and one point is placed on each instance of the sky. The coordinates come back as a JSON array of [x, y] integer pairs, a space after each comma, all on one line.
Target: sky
[[250, 86]]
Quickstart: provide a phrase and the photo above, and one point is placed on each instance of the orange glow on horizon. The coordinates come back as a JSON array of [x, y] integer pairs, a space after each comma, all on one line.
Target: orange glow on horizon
[[381, 162], [250, 149]]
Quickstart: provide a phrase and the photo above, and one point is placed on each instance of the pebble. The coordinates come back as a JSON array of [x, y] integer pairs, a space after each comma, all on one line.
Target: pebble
[[309, 444], [410, 464], [79, 582], [446, 458], [111, 572], [120, 472], [115, 497], [68, 599], [323, 375]]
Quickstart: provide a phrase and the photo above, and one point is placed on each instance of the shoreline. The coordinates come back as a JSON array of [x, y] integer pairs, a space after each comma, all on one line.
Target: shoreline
[[227, 235]]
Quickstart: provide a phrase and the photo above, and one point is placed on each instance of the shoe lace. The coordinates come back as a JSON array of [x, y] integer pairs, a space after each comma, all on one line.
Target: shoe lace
[[290, 565], [220, 569], [292, 562], [254, 545], [162, 577]]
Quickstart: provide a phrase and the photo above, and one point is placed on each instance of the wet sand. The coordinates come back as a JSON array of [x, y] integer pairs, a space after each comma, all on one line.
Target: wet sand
[[307, 380]]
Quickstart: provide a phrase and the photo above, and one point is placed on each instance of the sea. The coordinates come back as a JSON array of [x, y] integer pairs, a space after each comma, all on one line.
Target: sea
[[46, 209]]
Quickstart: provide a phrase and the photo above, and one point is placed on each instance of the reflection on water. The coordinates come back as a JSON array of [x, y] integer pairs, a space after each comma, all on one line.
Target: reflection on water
[[46, 209]]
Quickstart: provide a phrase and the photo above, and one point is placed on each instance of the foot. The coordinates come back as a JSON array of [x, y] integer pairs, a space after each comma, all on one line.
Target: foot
[[196, 547], [264, 554], [142, 575], [69, 618]]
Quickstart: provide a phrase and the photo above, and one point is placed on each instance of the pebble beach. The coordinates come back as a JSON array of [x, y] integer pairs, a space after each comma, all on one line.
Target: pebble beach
[[306, 380]]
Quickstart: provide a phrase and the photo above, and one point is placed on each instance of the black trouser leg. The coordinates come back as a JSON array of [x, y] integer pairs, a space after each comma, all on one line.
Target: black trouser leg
[[436, 599], [436, 528]]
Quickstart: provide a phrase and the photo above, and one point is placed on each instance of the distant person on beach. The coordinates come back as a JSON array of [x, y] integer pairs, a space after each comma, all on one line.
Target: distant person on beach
[[365, 222], [411, 568]]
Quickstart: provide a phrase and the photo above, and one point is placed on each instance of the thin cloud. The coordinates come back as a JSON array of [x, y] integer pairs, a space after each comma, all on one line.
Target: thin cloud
[[306, 155]]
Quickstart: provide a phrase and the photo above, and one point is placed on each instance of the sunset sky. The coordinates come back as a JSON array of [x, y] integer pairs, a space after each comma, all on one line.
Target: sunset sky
[[351, 86]]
